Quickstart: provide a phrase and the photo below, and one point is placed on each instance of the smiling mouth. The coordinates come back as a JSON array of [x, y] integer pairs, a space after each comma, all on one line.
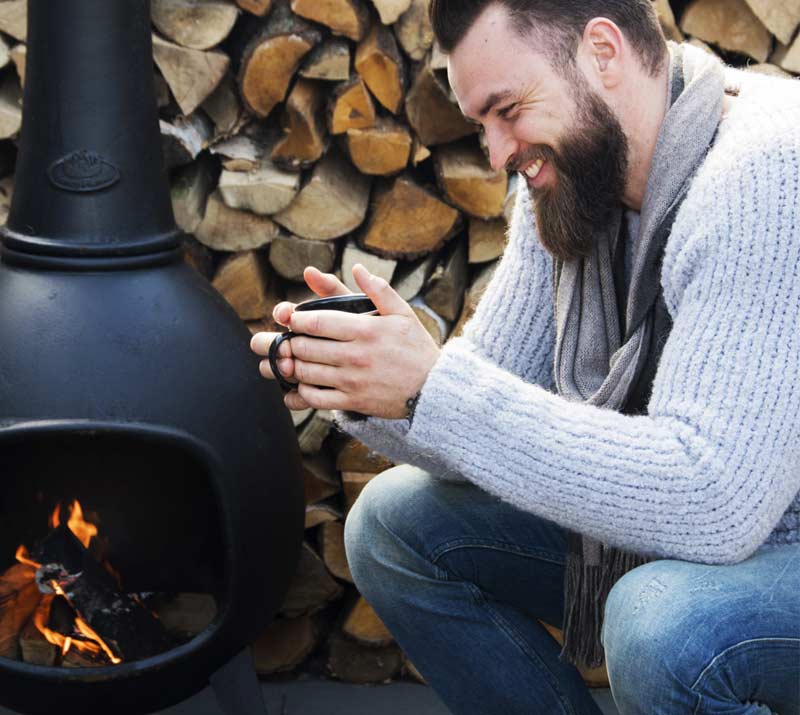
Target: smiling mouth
[[533, 170]]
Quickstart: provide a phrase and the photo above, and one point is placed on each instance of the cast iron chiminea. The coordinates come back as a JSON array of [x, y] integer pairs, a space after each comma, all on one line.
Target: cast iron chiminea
[[126, 381]]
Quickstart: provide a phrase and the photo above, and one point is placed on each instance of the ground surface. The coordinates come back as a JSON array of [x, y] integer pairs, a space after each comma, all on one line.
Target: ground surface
[[327, 697]]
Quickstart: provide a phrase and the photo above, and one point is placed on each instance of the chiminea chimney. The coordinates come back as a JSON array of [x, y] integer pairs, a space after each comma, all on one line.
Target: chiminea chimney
[[123, 373]]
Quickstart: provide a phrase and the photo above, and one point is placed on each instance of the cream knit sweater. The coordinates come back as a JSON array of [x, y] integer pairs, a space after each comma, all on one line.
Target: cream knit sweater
[[712, 473]]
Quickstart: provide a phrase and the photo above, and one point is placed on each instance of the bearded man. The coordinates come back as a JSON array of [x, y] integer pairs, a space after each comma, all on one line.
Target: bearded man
[[614, 442]]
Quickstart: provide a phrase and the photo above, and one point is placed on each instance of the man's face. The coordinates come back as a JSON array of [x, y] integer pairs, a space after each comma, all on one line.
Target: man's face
[[559, 134]]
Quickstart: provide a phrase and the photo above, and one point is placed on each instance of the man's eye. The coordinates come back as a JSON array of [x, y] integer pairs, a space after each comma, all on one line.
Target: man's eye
[[504, 112]]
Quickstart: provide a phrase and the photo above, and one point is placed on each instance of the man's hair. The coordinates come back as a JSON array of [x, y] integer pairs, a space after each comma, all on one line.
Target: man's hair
[[559, 24]]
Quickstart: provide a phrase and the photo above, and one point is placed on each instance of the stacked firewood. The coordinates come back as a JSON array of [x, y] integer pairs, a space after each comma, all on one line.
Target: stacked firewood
[[301, 132]]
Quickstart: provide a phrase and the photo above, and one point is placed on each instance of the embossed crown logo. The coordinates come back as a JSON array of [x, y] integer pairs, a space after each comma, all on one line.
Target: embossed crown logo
[[83, 171], [83, 164]]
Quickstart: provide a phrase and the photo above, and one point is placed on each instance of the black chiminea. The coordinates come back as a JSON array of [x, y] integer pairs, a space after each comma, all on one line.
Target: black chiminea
[[126, 381]]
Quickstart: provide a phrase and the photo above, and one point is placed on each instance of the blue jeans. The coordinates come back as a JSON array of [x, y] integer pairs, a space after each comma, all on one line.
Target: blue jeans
[[461, 579]]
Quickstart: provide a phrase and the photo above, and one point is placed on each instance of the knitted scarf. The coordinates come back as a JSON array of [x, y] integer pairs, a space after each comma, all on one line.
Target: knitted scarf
[[608, 343]]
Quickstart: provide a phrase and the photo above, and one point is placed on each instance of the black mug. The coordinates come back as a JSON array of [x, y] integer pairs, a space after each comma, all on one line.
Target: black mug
[[353, 303]]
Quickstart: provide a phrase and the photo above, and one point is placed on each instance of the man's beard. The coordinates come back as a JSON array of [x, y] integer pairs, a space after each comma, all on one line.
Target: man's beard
[[591, 166]]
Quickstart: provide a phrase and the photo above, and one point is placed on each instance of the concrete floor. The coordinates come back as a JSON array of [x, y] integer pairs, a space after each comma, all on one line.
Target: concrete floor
[[328, 697]]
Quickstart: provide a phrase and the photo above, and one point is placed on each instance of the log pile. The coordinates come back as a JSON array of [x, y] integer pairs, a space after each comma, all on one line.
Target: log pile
[[300, 132]]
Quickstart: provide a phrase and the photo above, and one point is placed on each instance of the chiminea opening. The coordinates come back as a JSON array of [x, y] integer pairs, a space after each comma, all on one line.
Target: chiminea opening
[[106, 535]]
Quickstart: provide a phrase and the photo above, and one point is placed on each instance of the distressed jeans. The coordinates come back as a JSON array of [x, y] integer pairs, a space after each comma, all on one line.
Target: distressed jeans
[[461, 580]]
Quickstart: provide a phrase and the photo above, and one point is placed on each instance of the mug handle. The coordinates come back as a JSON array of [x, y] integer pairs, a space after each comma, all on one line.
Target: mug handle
[[273, 360]]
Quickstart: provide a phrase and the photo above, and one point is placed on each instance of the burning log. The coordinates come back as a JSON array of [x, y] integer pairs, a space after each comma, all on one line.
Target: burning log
[[119, 623], [19, 598]]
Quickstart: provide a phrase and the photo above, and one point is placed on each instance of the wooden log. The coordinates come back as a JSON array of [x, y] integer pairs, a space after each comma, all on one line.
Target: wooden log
[[291, 255], [227, 229], [190, 188], [265, 190], [224, 108], [330, 537], [10, 106], [5, 53], [14, 18], [304, 129], [353, 484], [770, 70], [363, 624], [445, 292], [320, 479], [197, 24], [355, 456], [380, 65], [593, 677], [333, 202], [390, 10], [35, 649], [19, 55], [314, 432], [259, 8], [412, 276], [184, 138], [351, 107], [312, 587], [19, 597], [329, 61], [788, 57], [380, 150], [6, 192], [242, 152], [729, 24], [271, 58], [408, 221], [355, 663], [781, 18], [192, 75], [184, 615], [245, 282], [198, 256], [410, 670], [129, 630], [414, 31], [344, 17], [321, 513], [438, 328], [667, 20], [431, 114], [487, 239], [473, 297], [299, 292], [382, 267], [285, 644], [467, 180]]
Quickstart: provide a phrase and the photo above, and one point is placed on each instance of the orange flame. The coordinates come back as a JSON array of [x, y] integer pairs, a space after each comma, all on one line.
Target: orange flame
[[77, 525], [85, 532]]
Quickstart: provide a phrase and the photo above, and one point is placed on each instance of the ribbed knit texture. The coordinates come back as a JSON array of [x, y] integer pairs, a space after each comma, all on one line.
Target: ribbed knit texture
[[712, 473]]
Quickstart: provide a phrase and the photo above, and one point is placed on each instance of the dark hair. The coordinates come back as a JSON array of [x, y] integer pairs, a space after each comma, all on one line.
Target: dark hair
[[559, 24]]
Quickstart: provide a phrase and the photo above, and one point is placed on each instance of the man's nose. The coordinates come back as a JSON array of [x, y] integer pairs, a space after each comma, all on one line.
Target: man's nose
[[502, 147]]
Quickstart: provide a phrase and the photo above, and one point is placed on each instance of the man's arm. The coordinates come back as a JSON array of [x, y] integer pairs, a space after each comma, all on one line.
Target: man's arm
[[709, 472], [513, 327]]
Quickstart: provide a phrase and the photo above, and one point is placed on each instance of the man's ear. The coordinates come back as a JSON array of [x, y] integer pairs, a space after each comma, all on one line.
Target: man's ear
[[602, 51]]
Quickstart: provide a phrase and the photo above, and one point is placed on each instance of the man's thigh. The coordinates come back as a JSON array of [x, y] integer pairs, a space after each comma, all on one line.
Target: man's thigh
[[511, 555], [728, 633]]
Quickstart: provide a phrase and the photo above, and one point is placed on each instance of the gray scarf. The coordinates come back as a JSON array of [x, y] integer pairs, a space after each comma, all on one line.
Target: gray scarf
[[607, 359]]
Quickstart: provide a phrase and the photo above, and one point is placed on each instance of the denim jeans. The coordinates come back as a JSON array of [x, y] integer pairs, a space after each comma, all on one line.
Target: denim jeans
[[461, 580]]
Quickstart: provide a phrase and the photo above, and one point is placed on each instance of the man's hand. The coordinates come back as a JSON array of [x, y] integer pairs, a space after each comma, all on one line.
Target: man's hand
[[372, 364]]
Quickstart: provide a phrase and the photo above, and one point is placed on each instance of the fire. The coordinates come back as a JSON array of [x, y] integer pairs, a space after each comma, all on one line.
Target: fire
[[77, 525], [85, 532]]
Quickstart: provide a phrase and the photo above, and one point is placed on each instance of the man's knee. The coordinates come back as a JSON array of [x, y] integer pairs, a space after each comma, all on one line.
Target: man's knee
[[381, 522]]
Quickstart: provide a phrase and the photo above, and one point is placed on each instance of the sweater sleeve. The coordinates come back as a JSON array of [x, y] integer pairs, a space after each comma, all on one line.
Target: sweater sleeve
[[513, 328], [709, 472]]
